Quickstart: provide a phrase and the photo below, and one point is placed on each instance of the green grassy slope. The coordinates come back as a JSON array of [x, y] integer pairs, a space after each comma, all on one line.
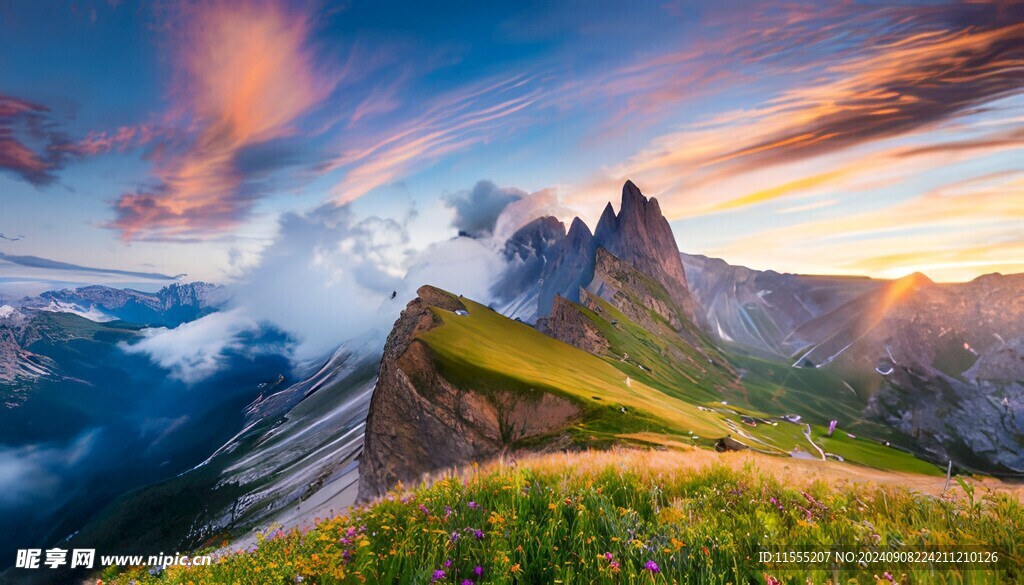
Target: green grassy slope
[[664, 403]]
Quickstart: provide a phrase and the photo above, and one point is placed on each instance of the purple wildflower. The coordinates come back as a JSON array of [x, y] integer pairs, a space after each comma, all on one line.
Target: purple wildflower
[[652, 567], [474, 505], [455, 536], [467, 582], [438, 575], [479, 534], [609, 556], [448, 563], [424, 509], [479, 571]]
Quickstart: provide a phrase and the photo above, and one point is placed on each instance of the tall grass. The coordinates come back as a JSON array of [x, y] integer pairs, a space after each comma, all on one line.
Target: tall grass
[[622, 517]]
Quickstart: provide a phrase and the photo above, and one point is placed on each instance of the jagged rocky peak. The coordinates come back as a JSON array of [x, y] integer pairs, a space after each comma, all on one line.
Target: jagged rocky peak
[[641, 235], [198, 294], [638, 234], [533, 239], [578, 230], [608, 222]]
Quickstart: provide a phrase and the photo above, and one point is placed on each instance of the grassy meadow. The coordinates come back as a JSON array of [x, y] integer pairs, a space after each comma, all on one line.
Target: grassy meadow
[[627, 516]]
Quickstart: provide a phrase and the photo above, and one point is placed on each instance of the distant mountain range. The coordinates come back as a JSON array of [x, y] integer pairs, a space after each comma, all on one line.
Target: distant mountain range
[[940, 363], [597, 338], [169, 307], [33, 321]]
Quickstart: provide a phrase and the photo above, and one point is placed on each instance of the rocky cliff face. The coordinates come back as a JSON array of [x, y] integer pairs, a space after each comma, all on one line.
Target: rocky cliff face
[[420, 422], [567, 324], [571, 267], [19, 367], [638, 295]]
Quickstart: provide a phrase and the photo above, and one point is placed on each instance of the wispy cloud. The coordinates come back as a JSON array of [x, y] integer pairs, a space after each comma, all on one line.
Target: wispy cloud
[[450, 123], [902, 87], [120, 140], [906, 86], [245, 73]]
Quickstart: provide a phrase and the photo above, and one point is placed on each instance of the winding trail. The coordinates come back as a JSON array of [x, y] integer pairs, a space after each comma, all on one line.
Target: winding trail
[[807, 434]]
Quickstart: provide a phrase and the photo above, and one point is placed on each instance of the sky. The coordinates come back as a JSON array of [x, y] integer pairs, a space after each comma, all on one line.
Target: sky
[[874, 138]]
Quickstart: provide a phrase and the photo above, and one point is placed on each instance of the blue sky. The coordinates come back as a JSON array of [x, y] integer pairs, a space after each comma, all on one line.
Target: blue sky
[[856, 138]]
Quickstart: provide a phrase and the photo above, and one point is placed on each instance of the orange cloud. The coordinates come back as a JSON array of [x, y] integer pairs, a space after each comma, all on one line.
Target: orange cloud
[[895, 88], [244, 74], [952, 233]]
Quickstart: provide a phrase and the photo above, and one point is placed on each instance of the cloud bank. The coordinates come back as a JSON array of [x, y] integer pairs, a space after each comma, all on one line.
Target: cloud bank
[[335, 277], [196, 350]]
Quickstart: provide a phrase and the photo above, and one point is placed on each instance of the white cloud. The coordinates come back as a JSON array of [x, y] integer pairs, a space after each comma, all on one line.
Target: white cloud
[[193, 351], [328, 277]]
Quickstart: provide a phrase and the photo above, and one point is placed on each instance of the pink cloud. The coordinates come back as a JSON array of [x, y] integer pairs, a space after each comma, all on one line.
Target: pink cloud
[[244, 75], [17, 156]]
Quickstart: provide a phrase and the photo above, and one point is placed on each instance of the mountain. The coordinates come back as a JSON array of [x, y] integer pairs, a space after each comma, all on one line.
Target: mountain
[[459, 382], [42, 346], [619, 354], [169, 307], [599, 339], [292, 460], [19, 367], [760, 310], [639, 234], [934, 361], [82, 421], [528, 252], [35, 321]]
